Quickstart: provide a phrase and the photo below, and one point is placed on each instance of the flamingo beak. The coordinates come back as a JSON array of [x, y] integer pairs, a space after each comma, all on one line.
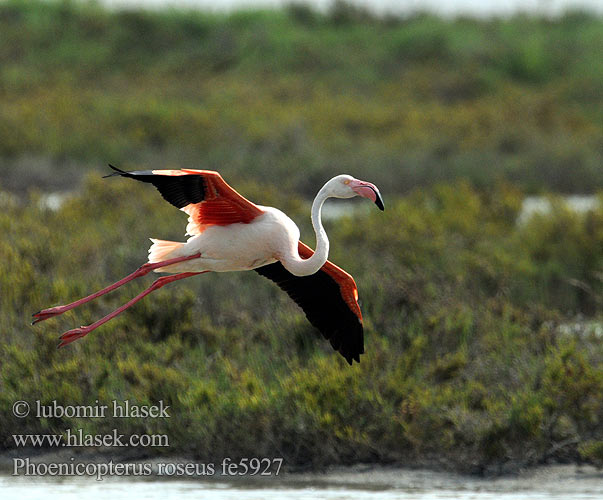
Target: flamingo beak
[[368, 190]]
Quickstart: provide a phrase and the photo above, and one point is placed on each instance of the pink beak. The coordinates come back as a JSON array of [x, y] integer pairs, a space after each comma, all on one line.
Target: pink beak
[[367, 190]]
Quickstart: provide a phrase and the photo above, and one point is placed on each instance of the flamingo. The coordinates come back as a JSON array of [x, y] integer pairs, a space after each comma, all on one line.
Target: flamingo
[[230, 233]]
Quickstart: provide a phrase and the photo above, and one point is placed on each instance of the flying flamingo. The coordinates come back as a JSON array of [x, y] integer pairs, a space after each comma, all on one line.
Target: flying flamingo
[[229, 233]]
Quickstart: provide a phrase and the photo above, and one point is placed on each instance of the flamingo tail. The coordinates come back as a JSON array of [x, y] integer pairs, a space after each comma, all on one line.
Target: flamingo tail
[[161, 249]]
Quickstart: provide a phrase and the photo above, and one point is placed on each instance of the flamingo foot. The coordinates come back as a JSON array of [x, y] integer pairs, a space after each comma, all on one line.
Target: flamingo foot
[[73, 335], [45, 314]]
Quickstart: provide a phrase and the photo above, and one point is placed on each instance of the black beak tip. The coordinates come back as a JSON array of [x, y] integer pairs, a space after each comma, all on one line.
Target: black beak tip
[[379, 203]]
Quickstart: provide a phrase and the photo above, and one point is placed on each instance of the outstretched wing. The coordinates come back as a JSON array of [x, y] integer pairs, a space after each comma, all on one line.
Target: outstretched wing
[[202, 194], [329, 298]]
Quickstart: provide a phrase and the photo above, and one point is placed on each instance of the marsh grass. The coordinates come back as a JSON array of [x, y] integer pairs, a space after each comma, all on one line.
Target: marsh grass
[[466, 363], [406, 102], [469, 363]]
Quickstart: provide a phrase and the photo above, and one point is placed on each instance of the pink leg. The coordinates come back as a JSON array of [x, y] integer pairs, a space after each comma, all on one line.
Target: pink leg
[[141, 271], [82, 331]]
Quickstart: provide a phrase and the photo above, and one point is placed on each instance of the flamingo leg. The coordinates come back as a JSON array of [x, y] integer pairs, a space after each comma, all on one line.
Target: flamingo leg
[[76, 333], [141, 271]]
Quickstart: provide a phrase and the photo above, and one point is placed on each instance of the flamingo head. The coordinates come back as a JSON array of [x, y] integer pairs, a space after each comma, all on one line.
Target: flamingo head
[[346, 186]]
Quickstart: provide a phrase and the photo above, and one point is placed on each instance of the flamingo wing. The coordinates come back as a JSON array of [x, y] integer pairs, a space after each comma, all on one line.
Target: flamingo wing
[[202, 194], [329, 298]]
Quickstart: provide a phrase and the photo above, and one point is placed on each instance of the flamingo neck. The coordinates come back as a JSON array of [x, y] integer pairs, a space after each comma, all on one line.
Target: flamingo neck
[[304, 267]]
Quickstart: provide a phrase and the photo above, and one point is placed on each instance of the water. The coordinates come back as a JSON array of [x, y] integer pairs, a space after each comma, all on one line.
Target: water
[[480, 8], [358, 483], [531, 206], [534, 205]]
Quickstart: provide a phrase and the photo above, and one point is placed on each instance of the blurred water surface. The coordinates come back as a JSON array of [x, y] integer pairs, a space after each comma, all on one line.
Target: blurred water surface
[[442, 7], [554, 482]]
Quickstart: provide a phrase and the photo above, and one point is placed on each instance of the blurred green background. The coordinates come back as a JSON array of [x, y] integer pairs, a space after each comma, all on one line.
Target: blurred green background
[[483, 330]]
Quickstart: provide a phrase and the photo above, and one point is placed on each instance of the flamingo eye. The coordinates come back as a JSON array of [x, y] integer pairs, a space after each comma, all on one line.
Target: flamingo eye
[[346, 182]]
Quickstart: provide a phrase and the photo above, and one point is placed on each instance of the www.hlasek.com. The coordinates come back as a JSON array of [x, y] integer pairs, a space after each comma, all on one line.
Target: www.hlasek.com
[[77, 438]]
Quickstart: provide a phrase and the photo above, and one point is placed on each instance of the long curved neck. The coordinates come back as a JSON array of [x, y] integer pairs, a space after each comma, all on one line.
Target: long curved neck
[[304, 267]]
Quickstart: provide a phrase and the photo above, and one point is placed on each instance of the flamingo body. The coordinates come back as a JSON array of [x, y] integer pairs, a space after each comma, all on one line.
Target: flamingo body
[[264, 239]]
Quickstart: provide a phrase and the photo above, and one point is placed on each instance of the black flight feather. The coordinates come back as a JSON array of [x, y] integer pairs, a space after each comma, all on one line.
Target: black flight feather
[[179, 190], [320, 298]]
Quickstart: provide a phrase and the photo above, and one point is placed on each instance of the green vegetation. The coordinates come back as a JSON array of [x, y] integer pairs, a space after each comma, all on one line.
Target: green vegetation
[[484, 350], [469, 361], [296, 97]]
